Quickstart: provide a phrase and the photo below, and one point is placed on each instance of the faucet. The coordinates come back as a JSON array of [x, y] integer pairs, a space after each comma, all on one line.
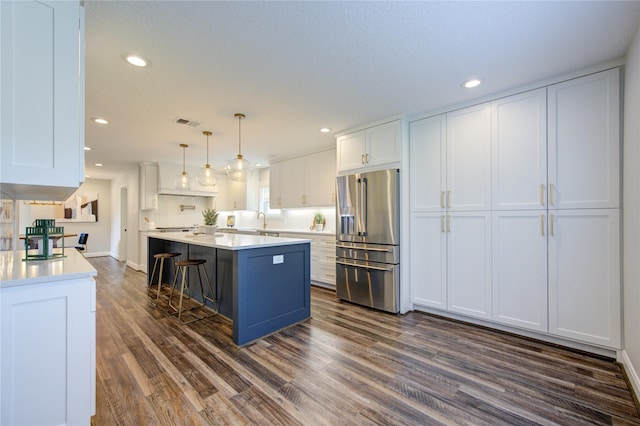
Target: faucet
[[264, 220]]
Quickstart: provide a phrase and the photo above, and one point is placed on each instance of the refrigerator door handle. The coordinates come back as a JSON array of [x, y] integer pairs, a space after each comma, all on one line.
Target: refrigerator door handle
[[385, 250], [363, 206], [376, 268]]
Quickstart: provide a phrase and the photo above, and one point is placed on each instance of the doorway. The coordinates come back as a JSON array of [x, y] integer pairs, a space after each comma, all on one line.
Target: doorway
[[124, 207]]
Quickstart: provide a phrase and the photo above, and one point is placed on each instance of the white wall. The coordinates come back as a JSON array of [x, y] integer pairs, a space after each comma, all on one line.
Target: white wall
[[630, 356], [99, 242], [129, 180]]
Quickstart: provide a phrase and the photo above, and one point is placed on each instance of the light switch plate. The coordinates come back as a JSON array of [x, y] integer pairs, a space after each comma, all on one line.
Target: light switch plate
[[278, 259]]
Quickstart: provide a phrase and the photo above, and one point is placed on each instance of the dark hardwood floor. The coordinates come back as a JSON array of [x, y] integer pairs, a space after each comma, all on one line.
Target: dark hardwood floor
[[348, 365]]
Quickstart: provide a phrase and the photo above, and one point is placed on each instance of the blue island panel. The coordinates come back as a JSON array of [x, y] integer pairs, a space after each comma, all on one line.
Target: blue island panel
[[273, 290]]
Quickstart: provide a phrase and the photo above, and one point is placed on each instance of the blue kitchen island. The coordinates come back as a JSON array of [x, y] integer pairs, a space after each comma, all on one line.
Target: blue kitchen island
[[261, 283]]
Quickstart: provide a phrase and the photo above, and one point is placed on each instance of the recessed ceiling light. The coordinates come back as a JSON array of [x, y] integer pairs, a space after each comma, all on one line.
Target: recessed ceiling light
[[136, 60], [98, 164], [100, 120], [469, 84], [325, 130], [87, 176], [87, 148]]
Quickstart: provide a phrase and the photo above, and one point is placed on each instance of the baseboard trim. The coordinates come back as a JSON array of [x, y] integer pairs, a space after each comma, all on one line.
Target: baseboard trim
[[97, 254], [632, 374]]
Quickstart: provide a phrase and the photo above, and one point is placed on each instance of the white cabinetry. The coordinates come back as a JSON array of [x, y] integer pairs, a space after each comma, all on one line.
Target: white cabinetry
[[584, 142], [584, 275], [519, 271], [148, 186], [48, 353], [41, 99], [237, 195], [374, 146], [323, 257], [307, 181], [540, 250], [519, 145]]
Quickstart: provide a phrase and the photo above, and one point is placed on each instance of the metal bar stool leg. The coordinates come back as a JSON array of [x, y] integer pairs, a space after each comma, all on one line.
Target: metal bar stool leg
[[182, 266], [161, 257]]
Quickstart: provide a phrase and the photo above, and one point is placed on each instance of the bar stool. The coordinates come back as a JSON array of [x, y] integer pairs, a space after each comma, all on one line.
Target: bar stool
[[161, 257], [182, 266]]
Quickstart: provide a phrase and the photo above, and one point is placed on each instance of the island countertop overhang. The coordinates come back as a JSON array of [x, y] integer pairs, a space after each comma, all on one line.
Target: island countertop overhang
[[228, 241]]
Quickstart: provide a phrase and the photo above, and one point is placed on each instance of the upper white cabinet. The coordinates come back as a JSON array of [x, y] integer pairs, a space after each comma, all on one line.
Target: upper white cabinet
[[584, 142], [148, 186], [427, 164], [237, 195], [307, 181], [469, 159], [41, 99], [519, 145], [374, 146]]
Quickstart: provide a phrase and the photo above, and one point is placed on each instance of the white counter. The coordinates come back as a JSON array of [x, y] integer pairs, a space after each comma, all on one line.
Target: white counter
[[227, 241], [16, 272]]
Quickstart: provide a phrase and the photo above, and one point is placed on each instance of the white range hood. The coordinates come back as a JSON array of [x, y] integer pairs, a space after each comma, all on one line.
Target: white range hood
[[167, 174]]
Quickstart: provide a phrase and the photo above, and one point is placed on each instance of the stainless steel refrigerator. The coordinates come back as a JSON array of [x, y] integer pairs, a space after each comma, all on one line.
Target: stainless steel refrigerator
[[368, 239]]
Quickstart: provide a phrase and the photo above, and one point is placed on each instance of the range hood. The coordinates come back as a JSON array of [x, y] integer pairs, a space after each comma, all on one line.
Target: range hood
[[166, 176]]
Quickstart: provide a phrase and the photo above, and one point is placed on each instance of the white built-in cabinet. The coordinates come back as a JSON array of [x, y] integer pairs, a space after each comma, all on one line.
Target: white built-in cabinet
[[374, 146], [234, 195], [48, 352], [148, 186], [515, 241], [322, 257], [41, 99], [307, 181]]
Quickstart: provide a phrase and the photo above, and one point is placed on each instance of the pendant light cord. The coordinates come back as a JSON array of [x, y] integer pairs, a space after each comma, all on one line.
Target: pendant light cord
[[239, 135]]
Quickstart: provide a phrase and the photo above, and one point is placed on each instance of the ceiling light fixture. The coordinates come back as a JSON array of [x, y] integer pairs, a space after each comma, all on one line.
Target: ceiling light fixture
[[136, 60], [87, 148], [206, 175], [325, 130], [184, 181], [100, 120], [470, 84], [239, 169], [98, 164]]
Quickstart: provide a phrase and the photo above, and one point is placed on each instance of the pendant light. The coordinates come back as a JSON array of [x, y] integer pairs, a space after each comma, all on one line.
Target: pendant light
[[206, 175], [183, 181], [239, 169]]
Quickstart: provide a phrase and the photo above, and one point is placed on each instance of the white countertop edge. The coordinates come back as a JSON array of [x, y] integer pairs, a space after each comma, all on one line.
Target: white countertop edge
[[16, 272], [279, 230], [227, 241]]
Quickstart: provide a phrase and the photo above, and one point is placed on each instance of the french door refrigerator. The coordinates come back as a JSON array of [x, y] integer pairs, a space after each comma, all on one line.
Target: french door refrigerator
[[368, 239]]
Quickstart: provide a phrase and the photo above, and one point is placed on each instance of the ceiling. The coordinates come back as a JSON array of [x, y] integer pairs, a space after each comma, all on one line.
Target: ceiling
[[294, 67]]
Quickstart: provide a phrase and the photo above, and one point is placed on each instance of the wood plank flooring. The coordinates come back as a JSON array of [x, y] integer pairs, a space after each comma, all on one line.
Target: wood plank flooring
[[347, 365]]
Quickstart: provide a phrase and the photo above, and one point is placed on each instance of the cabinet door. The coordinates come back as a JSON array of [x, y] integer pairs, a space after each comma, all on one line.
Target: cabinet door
[[469, 158], [320, 179], [383, 144], [428, 260], [584, 142], [427, 157], [519, 269], [519, 146], [275, 186], [236, 195], [350, 151], [41, 107], [584, 275], [51, 359], [148, 186], [292, 174], [469, 263]]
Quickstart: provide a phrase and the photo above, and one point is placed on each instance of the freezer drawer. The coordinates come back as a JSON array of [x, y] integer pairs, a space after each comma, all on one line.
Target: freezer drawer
[[368, 252], [369, 284]]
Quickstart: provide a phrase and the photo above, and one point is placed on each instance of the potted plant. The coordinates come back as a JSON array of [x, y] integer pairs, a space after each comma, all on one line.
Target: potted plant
[[210, 220], [319, 221]]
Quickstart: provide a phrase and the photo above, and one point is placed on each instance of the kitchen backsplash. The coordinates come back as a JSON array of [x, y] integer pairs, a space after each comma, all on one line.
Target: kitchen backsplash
[[177, 211]]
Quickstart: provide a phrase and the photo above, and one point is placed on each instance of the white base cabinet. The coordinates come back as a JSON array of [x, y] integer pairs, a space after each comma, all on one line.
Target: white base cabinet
[[519, 274], [428, 260], [584, 275], [48, 353], [323, 256]]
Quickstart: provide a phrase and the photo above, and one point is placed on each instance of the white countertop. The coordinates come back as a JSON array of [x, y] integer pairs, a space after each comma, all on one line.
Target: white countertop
[[16, 272], [279, 230], [227, 241]]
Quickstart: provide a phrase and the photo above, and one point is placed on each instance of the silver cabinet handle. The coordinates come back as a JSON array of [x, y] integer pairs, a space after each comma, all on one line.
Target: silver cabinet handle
[[366, 158], [448, 223], [542, 225], [377, 268], [542, 194], [551, 226], [442, 199], [362, 158], [448, 199], [442, 223], [551, 198]]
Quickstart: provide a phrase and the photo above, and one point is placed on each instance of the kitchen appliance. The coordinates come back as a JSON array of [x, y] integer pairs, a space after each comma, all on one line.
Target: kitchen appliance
[[368, 239]]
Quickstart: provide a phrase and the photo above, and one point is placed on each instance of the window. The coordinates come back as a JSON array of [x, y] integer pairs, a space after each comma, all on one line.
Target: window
[[264, 202]]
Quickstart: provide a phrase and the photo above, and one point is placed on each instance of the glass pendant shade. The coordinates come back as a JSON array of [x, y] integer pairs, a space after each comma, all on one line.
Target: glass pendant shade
[[206, 175], [183, 181], [239, 169]]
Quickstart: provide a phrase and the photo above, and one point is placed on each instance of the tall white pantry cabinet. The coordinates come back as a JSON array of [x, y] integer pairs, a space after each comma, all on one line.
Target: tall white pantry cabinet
[[547, 222]]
